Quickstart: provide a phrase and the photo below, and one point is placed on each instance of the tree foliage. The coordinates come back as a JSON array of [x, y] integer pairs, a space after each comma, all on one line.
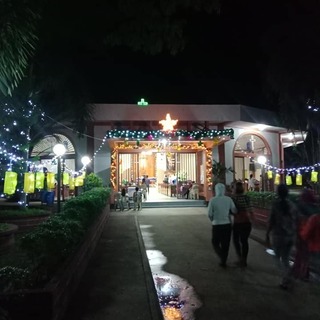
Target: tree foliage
[[18, 37], [292, 48], [152, 26]]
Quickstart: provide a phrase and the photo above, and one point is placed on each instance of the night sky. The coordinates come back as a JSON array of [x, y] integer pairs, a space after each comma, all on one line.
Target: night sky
[[225, 59]]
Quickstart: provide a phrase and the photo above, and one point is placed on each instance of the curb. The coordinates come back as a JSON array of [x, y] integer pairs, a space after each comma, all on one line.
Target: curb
[[155, 310]]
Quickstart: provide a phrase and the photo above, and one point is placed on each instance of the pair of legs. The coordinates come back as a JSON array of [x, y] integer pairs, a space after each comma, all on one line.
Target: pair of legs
[[282, 248], [221, 236], [241, 233], [137, 205]]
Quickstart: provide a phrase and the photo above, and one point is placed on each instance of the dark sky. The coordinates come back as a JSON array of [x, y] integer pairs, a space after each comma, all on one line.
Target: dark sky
[[224, 60]]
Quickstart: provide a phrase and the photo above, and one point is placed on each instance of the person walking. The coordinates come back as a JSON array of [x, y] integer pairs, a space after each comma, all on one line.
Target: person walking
[[311, 234], [219, 210], [241, 224], [283, 224], [306, 207]]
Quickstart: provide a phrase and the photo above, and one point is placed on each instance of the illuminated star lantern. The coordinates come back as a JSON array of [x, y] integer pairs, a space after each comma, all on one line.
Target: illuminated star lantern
[[143, 103], [168, 124]]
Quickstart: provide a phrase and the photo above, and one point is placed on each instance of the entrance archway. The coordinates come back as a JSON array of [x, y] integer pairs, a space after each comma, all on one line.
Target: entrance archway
[[247, 149]]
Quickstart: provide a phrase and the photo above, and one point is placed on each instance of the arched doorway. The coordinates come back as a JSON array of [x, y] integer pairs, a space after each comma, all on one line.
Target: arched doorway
[[43, 151], [247, 149]]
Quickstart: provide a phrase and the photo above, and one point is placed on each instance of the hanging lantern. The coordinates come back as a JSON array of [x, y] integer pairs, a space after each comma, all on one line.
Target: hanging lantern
[[299, 179], [65, 178], [270, 174], [79, 181], [288, 180], [71, 183], [50, 180], [314, 176], [10, 182], [277, 179], [39, 180], [29, 179]]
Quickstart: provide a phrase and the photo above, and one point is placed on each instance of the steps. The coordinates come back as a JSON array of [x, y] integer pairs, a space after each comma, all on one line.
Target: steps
[[174, 204]]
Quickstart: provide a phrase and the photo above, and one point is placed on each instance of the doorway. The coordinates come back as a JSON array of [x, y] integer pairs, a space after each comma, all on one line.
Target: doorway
[[160, 167]]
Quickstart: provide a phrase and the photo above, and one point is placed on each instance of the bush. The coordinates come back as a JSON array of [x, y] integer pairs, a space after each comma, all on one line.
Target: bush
[[92, 181], [48, 245], [23, 213], [261, 199], [12, 278]]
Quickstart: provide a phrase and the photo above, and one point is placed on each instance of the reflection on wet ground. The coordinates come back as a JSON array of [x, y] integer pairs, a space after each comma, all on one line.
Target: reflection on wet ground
[[177, 298]]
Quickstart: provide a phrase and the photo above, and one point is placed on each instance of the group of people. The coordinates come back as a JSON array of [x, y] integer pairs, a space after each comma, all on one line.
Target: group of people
[[139, 193], [292, 225], [230, 215]]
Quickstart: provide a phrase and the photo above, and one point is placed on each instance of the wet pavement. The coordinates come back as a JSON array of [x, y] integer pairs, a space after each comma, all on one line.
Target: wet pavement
[[183, 274]]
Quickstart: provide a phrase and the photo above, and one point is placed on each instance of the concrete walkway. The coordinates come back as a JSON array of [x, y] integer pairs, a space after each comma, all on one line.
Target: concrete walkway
[[118, 283]]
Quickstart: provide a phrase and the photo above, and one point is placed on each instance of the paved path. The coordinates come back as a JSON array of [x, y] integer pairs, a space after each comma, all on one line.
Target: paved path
[[118, 283]]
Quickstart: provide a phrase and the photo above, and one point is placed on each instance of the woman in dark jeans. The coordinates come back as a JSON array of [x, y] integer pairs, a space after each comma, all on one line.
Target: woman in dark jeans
[[241, 224]]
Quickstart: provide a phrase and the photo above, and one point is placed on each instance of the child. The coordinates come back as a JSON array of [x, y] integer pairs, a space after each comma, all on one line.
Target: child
[[137, 199]]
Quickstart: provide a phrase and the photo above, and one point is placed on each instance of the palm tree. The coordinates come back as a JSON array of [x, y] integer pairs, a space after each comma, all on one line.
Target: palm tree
[[18, 39]]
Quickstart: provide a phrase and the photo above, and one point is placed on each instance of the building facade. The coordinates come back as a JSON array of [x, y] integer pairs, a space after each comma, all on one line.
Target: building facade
[[127, 142]]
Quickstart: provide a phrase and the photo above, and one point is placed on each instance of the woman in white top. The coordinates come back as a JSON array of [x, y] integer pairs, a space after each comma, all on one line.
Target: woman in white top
[[219, 210]]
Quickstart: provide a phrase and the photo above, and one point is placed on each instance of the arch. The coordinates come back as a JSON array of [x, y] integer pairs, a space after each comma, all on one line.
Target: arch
[[44, 148], [257, 145], [247, 148]]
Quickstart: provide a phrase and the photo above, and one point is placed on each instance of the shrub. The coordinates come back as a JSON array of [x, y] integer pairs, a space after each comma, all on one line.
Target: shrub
[[12, 278], [4, 227], [92, 181], [48, 245], [25, 212]]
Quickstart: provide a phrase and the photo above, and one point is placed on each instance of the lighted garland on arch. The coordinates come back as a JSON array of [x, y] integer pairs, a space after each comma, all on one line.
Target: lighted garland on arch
[[158, 134]]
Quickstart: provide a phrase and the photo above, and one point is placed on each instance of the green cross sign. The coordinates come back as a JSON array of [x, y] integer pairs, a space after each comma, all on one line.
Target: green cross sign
[[142, 103]]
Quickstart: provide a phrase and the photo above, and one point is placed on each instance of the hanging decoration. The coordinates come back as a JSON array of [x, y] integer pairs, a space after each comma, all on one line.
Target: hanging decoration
[[314, 176], [29, 180], [299, 179], [65, 178], [39, 180], [270, 174], [288, 180], [71, 183], [168, 124], [277, 179], [50, 180], [10, 182], [80, 180]]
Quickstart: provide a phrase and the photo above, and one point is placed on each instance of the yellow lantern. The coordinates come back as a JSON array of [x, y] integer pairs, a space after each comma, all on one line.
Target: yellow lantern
[[66, 178], [314, 176], [299, 179], [71, 183], [39, 180], [277, 179], [10, 182], [288, 180], [79, 181], [50, 180], [270, 174], [29, 179]]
